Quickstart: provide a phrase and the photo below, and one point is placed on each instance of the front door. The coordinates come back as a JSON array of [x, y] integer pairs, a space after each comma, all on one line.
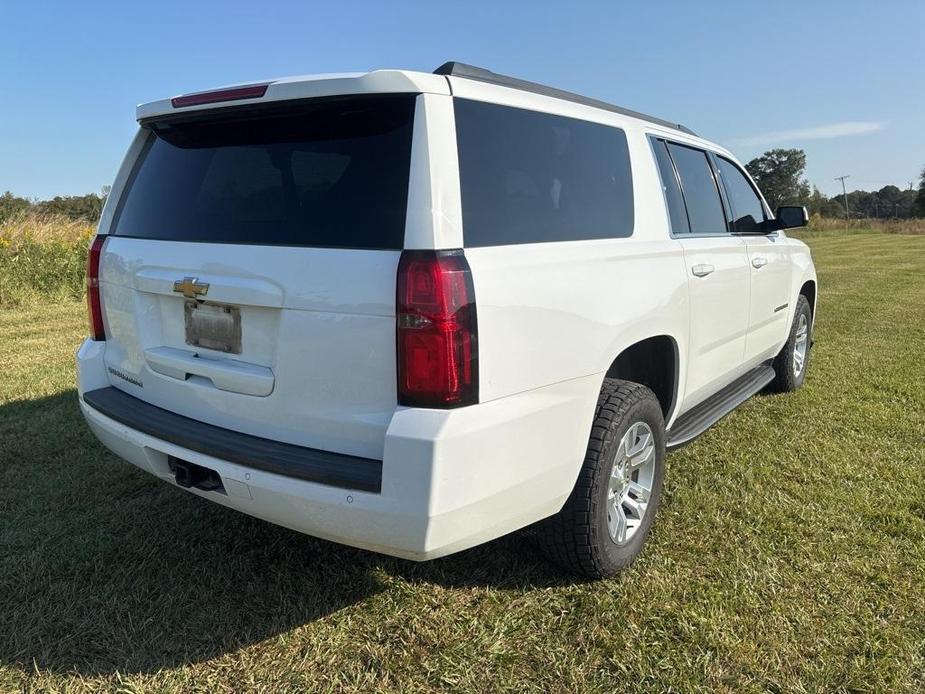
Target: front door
[[769, 264]]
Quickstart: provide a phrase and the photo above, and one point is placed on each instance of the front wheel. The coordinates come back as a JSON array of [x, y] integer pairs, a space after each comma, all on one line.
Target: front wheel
[[790, 364], [605, 521]]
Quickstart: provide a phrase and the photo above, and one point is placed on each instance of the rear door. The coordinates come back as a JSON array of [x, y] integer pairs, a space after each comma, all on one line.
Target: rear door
[[248, 280], [769, 261], [717, 266]]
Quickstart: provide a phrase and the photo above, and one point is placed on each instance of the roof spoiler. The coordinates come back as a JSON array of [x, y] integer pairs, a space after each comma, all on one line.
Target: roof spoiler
[[471, 72]]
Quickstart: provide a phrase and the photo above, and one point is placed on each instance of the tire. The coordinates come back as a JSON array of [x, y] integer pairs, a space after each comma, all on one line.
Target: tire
[[787, 376], [580, 537]]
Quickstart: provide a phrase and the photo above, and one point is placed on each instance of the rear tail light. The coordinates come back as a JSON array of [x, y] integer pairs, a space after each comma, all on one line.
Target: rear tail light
[[94, 309], [437, 332]]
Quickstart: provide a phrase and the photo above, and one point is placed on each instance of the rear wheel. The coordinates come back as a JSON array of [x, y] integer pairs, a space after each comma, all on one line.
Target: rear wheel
[[604, 524], [790, 364]]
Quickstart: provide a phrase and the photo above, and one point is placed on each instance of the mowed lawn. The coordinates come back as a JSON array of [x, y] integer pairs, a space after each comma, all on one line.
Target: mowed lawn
[[788, 555]]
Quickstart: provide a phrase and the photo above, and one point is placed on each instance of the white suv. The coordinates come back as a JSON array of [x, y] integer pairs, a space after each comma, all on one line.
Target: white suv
[[414, 312]]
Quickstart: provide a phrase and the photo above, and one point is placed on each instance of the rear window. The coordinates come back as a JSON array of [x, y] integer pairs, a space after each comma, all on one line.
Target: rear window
[[530, 177], [331, 173]]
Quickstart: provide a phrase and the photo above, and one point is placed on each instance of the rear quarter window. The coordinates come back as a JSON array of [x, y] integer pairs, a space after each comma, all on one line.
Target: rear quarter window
[[530, 177], [330, 173]]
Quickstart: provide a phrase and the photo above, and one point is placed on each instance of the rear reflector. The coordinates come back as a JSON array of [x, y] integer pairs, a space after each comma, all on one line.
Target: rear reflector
[[437, 330], [254, 91], [94, 308]]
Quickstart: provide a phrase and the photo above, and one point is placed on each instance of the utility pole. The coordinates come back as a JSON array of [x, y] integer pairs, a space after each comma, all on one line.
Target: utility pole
[[845, 196]]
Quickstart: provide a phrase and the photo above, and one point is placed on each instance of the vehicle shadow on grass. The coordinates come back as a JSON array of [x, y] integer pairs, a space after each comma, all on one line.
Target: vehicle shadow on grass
[[105, 568]]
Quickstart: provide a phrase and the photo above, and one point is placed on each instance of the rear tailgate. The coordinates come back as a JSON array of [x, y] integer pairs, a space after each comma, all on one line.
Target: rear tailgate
[[249, 277]]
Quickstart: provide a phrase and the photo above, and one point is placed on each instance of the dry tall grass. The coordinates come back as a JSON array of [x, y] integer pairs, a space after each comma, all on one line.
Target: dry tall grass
[[23, 229], [42, 257], [886, 226]]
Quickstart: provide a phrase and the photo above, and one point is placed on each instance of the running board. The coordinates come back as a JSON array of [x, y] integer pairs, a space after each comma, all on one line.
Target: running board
[[693, 423]]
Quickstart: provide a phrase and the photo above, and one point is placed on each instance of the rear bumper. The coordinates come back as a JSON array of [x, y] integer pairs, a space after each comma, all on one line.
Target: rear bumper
[[312, 465], [449, 479]]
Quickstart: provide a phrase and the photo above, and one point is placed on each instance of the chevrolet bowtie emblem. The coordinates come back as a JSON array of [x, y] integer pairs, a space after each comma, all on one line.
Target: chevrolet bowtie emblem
[[191, 287]]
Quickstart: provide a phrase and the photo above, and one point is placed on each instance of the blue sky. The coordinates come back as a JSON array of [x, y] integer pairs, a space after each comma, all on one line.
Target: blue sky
[[843, 80]]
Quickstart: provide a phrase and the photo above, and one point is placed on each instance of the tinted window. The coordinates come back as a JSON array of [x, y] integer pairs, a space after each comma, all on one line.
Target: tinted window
[[529, 177], [747, 210], [330, 174], [704, 208], [676, 213]]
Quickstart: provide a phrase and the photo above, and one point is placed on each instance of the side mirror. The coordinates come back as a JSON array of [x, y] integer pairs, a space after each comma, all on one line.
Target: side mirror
[[791, 217]]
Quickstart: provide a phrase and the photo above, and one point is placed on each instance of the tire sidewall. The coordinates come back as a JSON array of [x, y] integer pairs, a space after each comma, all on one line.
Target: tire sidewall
[[616, 556]]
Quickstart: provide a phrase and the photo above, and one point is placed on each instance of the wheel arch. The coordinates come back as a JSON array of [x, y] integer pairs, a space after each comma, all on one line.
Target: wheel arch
[[654, 362], [808, 289]]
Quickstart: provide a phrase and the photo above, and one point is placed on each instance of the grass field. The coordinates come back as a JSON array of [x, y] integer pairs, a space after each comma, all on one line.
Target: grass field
[[789, 553]]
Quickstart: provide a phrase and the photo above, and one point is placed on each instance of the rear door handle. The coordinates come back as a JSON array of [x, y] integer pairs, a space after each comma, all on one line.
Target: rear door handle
[[702, 270], [759, 262]]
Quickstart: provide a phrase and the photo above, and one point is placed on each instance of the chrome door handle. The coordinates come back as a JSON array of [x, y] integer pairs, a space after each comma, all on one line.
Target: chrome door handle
[[702, 270], [759, 262]]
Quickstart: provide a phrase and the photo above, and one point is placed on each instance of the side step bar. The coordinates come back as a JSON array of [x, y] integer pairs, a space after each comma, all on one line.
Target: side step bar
[[696, 421]]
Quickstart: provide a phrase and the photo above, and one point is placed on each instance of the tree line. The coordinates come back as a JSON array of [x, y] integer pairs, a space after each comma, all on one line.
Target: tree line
[[779, 175], [78, 207]]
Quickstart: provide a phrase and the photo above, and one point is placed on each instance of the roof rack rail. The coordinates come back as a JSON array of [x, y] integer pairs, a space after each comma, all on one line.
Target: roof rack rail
[[471, 72]]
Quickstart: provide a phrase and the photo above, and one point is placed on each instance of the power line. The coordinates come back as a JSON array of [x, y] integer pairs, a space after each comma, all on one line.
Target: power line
[[845, 196]]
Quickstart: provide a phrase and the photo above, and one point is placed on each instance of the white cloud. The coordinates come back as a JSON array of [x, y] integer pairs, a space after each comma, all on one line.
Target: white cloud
[[818, 132]]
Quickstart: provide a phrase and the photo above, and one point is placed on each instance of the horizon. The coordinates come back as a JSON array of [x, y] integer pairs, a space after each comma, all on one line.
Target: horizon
[[806, 94]]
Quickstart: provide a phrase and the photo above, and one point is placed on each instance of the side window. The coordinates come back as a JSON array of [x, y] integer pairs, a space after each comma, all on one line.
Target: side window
[[704, 207], [677, 214], [747, 210], [530, 177]]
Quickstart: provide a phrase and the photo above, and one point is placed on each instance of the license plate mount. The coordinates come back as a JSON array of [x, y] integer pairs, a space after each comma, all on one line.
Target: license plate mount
[[213, 326]]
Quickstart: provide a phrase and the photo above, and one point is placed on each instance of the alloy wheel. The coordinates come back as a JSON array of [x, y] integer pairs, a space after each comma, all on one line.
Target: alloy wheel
[[631, 482]]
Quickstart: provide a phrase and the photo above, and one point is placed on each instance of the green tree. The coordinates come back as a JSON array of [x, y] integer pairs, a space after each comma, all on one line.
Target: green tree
[[87, 207], [818, 203], [11, 205], [904, 205], [779, 174], [893, 202], [918, 206], [861, 203]]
